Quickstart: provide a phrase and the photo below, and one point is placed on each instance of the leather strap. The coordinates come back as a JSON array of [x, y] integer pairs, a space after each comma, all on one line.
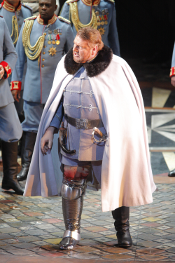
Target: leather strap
[[84, 123]]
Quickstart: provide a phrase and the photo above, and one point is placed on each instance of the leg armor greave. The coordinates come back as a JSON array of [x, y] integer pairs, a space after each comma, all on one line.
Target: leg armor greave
[[72, 192]]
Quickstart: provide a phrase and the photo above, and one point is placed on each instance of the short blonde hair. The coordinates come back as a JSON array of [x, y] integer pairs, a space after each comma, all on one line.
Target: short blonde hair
[[92, 36]]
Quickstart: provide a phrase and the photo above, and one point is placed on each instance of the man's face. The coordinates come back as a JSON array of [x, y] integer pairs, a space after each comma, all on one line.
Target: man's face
[[46, 9], [81, 50]]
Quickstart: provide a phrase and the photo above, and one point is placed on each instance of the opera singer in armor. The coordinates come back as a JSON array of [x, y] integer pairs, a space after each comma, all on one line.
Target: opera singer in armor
[[96, 105]]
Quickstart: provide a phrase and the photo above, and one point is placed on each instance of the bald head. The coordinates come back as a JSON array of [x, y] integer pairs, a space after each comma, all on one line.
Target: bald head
[[47, 9]]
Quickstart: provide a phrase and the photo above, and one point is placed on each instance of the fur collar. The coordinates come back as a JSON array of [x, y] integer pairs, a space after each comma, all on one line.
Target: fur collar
[[93, 68]]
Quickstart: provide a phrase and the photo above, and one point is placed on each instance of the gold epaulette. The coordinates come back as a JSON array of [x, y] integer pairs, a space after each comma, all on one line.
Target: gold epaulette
[[64, 19], [111, 1], [27, 6], [71, 1], [30, 18]]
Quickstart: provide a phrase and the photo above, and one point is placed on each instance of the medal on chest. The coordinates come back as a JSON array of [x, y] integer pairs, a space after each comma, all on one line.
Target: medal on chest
[[52, 51], [102, 19], [54, 37]]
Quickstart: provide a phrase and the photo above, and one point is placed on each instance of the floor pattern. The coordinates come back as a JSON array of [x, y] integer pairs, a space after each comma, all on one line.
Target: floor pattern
[[32, 227], [160, 117], [158, 97]]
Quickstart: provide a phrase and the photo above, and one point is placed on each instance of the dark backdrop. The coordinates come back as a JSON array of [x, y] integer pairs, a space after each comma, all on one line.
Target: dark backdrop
[[146, 28]]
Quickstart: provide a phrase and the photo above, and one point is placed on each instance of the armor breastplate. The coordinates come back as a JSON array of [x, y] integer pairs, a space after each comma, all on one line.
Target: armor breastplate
[[79, 100], [79, 103]]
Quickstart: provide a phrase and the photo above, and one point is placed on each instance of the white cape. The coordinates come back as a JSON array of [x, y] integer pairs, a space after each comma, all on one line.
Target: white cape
[[126, 171]]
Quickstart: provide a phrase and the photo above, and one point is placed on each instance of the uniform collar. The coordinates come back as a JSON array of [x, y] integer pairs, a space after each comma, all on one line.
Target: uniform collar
[[50, 22], [91, 2], [10, 7]]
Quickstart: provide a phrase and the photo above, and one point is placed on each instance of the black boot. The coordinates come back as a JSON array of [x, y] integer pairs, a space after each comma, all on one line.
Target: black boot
[[121, 217], [171, 173], [9, 159], [28, 142]]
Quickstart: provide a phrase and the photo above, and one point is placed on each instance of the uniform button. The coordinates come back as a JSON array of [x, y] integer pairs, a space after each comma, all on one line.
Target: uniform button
[[44, 53], [43, 59], [42, 66], [19, 26], [44, 46], [45, 34]]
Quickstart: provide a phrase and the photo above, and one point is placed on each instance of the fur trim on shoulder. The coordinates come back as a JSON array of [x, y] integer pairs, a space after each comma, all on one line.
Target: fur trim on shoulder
[[93, 68]]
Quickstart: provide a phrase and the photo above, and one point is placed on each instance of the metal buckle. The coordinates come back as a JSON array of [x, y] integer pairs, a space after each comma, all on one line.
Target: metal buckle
[[82, 124]]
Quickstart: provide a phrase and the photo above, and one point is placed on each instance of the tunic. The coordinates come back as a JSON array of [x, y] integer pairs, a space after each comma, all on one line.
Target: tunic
[[39, 77], [14, 19], [79, 102], [8, 59], [40, 73], [10, 128]]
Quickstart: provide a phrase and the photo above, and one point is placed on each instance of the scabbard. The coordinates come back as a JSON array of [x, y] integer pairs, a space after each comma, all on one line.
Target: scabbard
[[63, 139]]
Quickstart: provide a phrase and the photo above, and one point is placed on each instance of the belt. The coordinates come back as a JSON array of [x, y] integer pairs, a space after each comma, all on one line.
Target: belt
[[83, 123]]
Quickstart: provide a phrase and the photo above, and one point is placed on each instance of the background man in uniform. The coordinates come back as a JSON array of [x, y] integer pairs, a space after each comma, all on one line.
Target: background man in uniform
[[34, 4], [43, 40], [10, 128], [14, 13], [99, 14], [103, 137]]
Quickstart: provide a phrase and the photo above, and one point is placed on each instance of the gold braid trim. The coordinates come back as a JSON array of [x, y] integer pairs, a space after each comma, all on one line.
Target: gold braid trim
[[91, 3], [32, 52], [14, 33], [75, 17]]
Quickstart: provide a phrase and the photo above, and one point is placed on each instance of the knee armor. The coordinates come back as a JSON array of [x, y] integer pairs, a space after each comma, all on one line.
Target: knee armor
[[72, 190]]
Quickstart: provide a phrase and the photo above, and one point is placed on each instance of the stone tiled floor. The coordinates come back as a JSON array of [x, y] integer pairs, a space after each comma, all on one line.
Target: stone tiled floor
[[31, 228]]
